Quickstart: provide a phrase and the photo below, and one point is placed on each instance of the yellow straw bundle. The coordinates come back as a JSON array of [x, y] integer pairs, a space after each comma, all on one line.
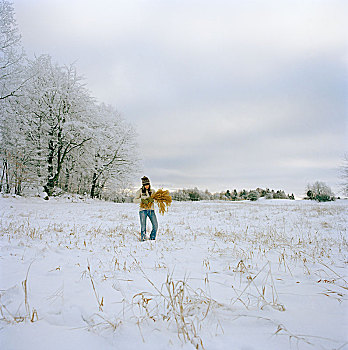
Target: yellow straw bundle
[[146, 203], [163, 200]]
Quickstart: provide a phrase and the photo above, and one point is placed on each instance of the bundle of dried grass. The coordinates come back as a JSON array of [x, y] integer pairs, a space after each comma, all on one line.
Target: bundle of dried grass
[[146, 203], [163, 200]]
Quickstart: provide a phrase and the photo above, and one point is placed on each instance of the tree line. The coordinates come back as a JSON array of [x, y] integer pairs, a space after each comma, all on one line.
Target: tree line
[[195, 194], [318, 191], [53, 134]]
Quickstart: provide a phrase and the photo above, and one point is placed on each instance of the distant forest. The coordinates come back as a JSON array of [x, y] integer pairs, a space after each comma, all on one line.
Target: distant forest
[[196, 195]]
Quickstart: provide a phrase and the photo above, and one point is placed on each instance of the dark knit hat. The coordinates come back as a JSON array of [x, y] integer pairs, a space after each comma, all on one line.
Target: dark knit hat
[[145, 181]]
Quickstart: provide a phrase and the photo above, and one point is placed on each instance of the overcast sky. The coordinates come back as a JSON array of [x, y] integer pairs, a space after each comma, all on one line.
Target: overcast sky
[[224, 94]]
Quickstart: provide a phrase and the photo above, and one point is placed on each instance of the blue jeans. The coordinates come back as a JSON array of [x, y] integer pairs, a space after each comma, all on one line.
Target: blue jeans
[[152, 216]]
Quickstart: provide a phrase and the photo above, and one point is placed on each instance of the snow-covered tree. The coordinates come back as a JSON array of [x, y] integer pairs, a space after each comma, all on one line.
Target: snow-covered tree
[[11, 52], [113, 151], [55, 134], [320, 192], [12, 166], [344, 175], [243, 194], [279, 194], [253, 195], [180, 195], [14, 152], [53, 113], [52, 132]]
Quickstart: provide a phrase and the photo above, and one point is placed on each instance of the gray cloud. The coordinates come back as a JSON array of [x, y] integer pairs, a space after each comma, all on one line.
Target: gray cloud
[[223, 94]]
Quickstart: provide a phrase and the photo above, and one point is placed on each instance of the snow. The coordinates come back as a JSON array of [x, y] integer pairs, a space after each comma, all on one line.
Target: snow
[[223, 275]]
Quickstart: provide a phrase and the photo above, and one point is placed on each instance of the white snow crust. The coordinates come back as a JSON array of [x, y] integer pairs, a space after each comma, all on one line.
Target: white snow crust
[[269, 275]]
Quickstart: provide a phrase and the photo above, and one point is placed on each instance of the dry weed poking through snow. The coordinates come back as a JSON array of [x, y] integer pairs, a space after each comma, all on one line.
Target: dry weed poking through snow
[[220, 275]]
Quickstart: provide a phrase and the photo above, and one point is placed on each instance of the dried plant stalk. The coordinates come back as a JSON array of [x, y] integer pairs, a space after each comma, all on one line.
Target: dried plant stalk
[[147, 203], [163, 200]]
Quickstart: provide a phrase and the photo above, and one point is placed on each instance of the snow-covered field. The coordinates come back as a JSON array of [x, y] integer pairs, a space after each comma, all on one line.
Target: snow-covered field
[[221, 275]]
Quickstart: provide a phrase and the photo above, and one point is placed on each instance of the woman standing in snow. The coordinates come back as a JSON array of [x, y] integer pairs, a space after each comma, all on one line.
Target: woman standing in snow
[[143, 196]]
